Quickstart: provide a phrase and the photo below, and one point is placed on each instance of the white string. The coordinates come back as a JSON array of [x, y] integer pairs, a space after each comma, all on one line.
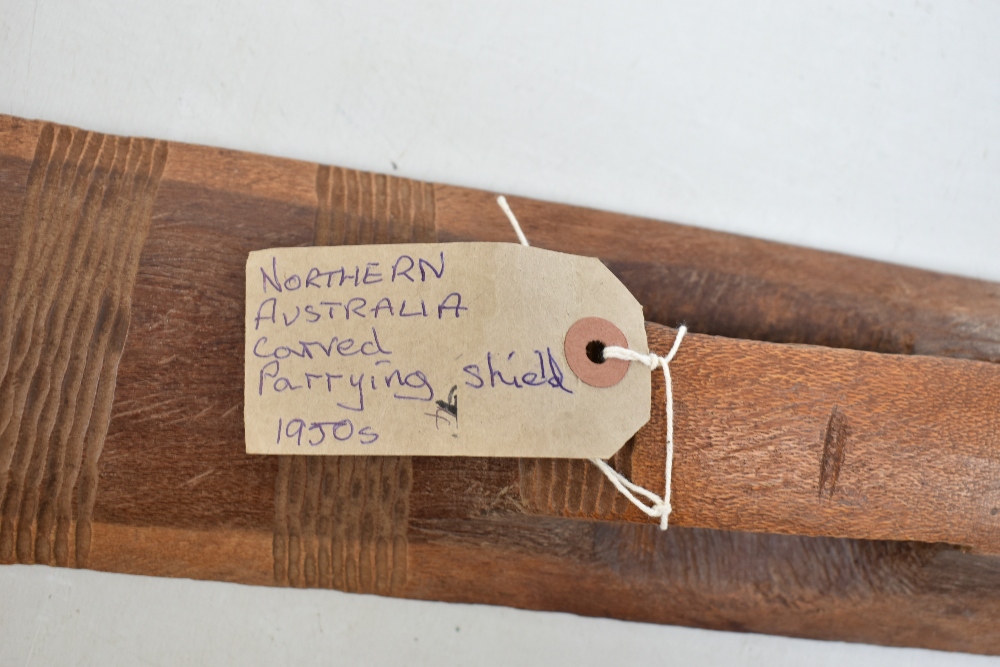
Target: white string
[[658, 508], [502, 201]]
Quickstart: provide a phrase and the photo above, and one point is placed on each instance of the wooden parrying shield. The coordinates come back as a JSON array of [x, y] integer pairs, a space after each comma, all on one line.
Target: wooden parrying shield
[[122, 445]]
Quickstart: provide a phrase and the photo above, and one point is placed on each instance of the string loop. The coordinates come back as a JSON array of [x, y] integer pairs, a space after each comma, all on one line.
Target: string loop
[[657, 507]]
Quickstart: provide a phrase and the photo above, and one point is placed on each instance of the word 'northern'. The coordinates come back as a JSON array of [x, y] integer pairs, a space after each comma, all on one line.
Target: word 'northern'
[[404, 268]]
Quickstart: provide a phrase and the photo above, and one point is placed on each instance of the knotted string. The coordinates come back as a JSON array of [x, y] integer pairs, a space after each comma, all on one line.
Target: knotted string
[[660, 507], [657, 507]]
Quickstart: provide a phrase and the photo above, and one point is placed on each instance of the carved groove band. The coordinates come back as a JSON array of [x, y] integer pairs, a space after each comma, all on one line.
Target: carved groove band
[[63, 322], [341, 522]]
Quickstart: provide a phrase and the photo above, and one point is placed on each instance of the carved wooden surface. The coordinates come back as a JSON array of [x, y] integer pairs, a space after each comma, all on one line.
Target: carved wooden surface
[[819, 441], [169, 490]]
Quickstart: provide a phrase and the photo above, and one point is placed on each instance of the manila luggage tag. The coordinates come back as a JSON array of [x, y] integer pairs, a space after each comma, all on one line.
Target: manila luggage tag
[[448, 349]]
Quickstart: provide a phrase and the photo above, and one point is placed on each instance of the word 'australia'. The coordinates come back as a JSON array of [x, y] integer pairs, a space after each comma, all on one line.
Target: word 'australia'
[[404, 269], [357, 308]]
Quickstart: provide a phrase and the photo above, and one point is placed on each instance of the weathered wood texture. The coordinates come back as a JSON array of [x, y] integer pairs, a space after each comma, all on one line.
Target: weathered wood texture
[[739, 287], [819, 441], [103, 235]]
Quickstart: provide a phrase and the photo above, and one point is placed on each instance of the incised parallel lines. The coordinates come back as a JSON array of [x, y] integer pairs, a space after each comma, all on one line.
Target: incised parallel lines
[[361, 208], [344, 522], [63, 322], [574, 487], [341, 522]]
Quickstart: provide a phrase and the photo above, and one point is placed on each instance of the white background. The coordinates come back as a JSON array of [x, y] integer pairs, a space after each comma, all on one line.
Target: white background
[[865, 127]]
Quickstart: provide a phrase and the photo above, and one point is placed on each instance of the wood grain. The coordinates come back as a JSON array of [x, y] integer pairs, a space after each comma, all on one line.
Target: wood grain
[[734, 286], [821, 441], [174, 494], [65, 315], [811, 441], [342, 521]]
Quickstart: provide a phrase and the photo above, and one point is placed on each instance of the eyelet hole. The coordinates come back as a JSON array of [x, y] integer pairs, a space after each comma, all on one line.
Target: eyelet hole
[[595, 351]]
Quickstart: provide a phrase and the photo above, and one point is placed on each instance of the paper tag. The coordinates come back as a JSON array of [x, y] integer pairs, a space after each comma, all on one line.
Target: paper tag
[[450, 349]]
